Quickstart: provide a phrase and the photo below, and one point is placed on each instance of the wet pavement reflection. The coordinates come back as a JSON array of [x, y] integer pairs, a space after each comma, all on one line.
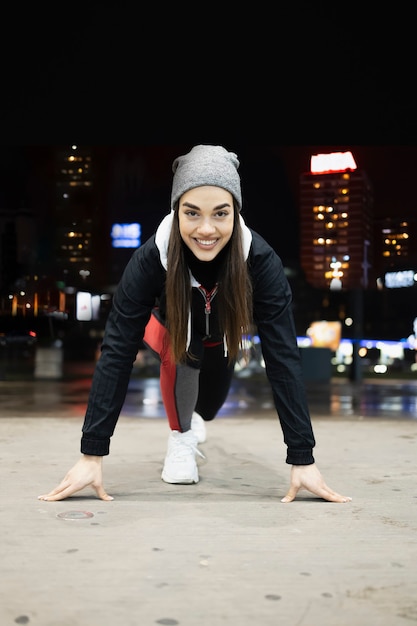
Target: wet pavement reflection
[[387, 399], [369, 398]]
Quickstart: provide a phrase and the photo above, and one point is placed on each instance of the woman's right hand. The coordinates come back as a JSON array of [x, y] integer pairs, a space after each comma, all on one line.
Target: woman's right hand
[[87, 472]]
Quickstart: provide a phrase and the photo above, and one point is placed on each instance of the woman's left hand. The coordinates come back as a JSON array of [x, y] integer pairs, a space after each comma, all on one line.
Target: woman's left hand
[[309, 477]]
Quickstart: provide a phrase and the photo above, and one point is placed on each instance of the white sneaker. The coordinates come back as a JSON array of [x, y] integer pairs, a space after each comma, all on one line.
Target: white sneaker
[[198, 426], [180, 466]]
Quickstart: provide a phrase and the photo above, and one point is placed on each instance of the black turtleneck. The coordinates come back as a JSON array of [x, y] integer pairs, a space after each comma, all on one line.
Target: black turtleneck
[[206, 272]]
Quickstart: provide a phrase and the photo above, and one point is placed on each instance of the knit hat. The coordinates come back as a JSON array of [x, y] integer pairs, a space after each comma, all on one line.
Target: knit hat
[[206, 165]]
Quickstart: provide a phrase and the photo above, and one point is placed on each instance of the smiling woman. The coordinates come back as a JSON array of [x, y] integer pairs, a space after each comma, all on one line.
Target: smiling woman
[[192, 293]]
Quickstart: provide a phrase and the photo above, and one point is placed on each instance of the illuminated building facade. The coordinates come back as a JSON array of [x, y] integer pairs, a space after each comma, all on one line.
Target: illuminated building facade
[[336, 227], [396, 250], [396, 242], [74, 214]]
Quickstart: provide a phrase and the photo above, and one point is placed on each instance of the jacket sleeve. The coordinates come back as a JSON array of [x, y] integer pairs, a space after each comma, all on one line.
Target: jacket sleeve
[[139, 288], [274, 320]]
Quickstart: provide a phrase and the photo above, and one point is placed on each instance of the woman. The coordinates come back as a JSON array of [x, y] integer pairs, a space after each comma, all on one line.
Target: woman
[[191, 293]]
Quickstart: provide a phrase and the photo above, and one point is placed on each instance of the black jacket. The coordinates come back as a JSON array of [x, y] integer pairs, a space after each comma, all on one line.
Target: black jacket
[[141, 288]]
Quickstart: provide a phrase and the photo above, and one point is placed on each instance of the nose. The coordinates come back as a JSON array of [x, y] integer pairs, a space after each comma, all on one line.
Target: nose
[[206, 227]]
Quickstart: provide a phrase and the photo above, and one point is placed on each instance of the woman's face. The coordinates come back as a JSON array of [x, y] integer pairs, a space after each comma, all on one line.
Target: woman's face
[[206, 218]]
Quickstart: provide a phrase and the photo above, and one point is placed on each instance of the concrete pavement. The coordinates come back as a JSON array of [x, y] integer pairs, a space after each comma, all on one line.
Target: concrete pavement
[[224, 551]]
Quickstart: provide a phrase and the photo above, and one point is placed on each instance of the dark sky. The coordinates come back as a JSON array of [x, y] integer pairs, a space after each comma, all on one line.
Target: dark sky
[[313, 72]]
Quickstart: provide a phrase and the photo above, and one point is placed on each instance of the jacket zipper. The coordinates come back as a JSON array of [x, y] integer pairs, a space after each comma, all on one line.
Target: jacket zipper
[[208, 297]]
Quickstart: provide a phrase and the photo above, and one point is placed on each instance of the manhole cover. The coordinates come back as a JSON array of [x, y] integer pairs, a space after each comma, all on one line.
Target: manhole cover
[[75, 515]]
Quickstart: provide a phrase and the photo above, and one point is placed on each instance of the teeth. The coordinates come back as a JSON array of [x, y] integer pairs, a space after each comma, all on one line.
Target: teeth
[[206, 242]]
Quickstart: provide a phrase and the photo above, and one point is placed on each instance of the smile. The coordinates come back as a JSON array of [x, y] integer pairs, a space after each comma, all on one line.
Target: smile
[[206, 242]]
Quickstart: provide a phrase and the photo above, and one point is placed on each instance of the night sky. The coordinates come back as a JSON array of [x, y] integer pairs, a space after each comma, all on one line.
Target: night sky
[[311, 72]]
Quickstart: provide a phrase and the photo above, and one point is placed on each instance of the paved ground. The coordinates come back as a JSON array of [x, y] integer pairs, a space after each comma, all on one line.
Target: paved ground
[[224, 551]]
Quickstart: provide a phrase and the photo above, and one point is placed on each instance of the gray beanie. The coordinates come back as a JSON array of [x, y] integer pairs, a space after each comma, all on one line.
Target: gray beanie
[[206, 165]]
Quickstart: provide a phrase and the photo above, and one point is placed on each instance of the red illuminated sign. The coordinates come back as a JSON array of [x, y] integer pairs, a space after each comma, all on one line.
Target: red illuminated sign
[[332, 162]]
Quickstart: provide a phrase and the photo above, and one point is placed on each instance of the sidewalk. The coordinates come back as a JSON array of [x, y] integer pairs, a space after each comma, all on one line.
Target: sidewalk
[[224, 551]]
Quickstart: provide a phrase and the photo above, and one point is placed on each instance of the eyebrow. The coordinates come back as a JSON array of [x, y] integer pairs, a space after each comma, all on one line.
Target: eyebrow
[[216, 208]]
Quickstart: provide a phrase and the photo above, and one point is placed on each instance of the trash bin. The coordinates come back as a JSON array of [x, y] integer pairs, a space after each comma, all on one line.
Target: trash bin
[[316, 364], [49, 362], [17, 354]]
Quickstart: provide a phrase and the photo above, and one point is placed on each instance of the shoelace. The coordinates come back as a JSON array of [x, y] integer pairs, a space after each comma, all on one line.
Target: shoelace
[[197, 451], [182, 448]]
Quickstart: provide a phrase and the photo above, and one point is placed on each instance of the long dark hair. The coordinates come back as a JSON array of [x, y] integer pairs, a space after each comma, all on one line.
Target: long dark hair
[[234, 295]]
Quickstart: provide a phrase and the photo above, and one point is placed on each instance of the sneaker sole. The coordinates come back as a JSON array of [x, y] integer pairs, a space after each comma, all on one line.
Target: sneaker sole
[[179, 481]]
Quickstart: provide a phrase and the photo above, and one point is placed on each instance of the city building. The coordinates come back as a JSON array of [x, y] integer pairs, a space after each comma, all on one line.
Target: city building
[[336, 227], [396, 244], [75, 211]]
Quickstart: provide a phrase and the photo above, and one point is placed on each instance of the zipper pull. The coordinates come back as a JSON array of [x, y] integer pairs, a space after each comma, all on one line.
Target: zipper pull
[[208, 297], [208, 311]]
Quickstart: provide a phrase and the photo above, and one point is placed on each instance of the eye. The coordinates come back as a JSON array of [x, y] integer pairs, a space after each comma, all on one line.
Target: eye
[[222, 213], [190, 213]]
